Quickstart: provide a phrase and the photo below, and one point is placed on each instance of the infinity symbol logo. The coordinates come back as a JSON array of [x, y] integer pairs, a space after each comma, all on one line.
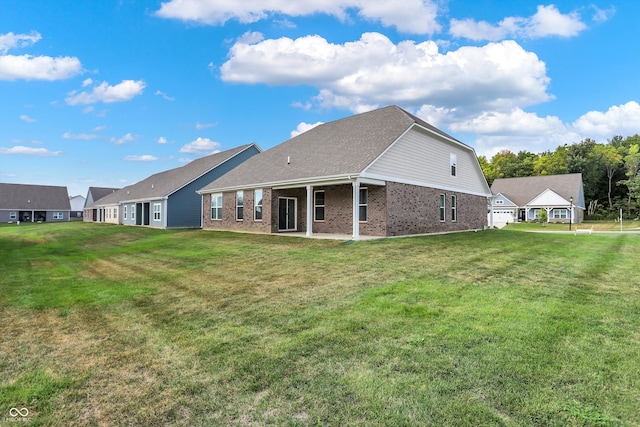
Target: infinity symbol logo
[[15, 412]]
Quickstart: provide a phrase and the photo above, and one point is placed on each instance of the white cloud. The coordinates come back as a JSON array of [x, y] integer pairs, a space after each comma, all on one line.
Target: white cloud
[[123, 140], [618, 120], [29, 151], [363, 74], [201, 146], [303, 127], [602, 15], [87, 82], [27, 119], [162, 140], [123, 91], [201, 126], [143, 158], [519, 130], [414, 16], [546, 22], [81, 136], [29, 67], [164, 95], [12, 41]]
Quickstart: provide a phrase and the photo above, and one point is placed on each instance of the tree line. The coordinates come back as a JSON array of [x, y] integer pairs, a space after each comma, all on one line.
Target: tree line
[[610, 172]]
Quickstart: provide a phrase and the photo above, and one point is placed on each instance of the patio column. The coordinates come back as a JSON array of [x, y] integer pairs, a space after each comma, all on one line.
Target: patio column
[[356, 210], [309, 210]]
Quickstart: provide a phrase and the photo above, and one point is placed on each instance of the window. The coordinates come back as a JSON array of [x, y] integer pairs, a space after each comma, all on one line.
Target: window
[[115, 212], [257, 205], [499, 202], [57, 215], [133, 212], [216, 206], [239, 205], [442, 209], [13, 215], [124, 212], [362, 204], [454, 164], [318, 205], [454, 213], [560, 214], [156, 211]]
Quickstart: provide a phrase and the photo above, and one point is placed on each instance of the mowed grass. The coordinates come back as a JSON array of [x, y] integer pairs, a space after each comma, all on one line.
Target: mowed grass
[[115, 326]]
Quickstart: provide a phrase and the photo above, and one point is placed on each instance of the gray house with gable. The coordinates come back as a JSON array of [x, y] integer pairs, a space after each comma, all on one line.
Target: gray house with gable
[[168, 199]]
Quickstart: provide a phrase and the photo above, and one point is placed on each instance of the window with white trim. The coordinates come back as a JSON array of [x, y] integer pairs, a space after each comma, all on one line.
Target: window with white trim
[[239, 205], [318, 205], [124, 212], [216, 206], [560, 214], [58, 215], [363, 204], [257, 205], [499, 202], [13, 215], [454, 208], [454, 164], [157, 210], [133, 212], [442, 208]]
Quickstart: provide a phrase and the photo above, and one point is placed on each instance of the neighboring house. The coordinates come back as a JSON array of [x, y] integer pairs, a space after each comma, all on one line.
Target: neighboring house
[[168, 199], [520, 199], [380, 173], [33, 203], [77, 206], [92, 214]]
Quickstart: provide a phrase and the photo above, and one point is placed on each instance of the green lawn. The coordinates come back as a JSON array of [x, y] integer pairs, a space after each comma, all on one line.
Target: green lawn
[[113, 326]]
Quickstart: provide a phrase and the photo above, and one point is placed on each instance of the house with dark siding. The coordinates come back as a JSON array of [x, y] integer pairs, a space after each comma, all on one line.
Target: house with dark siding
[[381, 173], [33, 203], [168, 199]]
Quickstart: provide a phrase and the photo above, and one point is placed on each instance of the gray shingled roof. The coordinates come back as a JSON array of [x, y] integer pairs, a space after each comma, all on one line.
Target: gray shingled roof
[[34, 197], [523, 190], [165, 183], [337, 148], [97, 193]]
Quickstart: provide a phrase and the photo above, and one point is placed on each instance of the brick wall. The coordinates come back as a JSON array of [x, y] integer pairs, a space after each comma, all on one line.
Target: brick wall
[[416, 210], [229, 221], [394, 210]]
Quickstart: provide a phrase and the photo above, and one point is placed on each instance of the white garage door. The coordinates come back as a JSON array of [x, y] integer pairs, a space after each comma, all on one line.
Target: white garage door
[[503, 216]]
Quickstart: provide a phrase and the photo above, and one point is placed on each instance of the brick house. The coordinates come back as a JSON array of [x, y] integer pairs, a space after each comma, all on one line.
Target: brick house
[[380, 173]]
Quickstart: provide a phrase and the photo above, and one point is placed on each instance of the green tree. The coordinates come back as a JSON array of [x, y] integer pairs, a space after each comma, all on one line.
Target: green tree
[[610, 157], [542, 216], [505, 163], [551, 163], [632, 166], [489, 171]]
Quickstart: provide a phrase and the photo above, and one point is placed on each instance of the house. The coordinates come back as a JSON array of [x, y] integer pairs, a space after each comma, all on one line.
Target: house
[[33, 203], [380, 173], [168, 199], [520, 199], [77, 206], [93, 195]]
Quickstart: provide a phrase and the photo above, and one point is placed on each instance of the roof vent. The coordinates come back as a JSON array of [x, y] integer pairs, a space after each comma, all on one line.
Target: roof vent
[[288, 160]]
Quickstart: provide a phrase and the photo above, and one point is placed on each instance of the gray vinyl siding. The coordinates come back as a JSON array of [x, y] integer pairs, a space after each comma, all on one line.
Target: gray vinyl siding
[[420, 158], [505, 202], [5, 215]]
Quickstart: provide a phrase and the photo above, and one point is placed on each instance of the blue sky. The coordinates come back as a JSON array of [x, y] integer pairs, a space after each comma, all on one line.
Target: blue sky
[[106, 93]]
